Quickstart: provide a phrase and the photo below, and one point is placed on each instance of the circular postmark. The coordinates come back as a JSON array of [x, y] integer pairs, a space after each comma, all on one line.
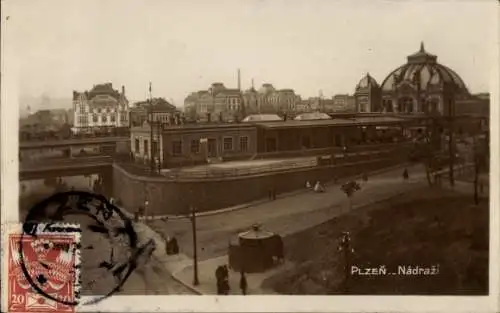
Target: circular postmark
[[49, 247]]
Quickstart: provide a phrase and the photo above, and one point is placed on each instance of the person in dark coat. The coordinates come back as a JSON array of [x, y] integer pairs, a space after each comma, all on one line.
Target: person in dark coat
[[219, 275], [243, 283], [405, 174], [175, 246]]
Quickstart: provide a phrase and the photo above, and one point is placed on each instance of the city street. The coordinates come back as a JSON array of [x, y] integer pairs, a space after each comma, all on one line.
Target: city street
[[285, 215]]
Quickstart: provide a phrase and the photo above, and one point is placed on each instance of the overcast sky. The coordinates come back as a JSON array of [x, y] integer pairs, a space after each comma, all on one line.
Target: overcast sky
[[184, 46]]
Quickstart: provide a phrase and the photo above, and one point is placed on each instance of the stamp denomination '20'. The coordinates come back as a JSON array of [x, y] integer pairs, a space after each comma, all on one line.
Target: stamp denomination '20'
[[43, 272]]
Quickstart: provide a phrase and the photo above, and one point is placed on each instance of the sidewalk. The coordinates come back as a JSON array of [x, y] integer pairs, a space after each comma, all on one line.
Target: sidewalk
[[286, 215], [207, 280], [206, 269]]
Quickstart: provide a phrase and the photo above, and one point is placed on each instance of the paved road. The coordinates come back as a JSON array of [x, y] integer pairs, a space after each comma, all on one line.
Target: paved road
[[285, 215]]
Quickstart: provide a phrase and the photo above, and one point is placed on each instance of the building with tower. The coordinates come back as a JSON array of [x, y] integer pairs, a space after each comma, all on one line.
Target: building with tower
[[420, 86], [367, 95], [223, 104], [102, 107]]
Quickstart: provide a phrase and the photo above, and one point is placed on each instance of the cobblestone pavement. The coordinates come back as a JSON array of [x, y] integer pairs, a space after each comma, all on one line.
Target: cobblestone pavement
[[284, 215]]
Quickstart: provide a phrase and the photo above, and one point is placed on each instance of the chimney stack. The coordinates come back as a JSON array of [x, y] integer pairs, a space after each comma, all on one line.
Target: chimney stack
[[123, 90], [239, 80]]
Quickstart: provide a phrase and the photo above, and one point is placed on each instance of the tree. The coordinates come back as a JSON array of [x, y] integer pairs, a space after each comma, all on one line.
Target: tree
[[349, 189], [480, 158], [426, 150]]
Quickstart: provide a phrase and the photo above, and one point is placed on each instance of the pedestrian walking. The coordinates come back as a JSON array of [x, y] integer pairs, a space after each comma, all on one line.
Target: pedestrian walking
[[365, 177], [405, 174], [175, 245], [243, 283]]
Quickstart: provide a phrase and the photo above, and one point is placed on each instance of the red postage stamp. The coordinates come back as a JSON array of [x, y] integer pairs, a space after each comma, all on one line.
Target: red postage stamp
[[43, 272]]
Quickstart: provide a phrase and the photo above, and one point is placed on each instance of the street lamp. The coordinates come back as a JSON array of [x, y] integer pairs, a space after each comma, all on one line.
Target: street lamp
[[145, 213], [195, 249], [346, 248]]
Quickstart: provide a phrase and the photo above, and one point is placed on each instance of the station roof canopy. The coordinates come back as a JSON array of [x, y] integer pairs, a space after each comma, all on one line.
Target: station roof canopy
[[361, 121]]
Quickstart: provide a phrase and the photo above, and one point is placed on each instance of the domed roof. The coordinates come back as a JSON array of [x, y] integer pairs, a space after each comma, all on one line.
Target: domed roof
[[256, 233], [422, 66], [262, 118], [267, 88], [366, 81], [312, 116]]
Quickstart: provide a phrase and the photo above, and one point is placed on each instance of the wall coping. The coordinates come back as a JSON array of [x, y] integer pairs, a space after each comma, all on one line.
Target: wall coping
[[209, 179]]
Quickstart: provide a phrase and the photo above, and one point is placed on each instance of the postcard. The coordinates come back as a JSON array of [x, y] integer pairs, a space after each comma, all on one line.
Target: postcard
[[250, 156]]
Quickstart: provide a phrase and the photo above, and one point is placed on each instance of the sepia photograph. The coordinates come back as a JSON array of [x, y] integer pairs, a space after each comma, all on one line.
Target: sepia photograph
[[246, 148]]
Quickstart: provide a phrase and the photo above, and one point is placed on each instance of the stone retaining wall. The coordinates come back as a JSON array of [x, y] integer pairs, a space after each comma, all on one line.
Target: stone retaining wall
[[175, 197]]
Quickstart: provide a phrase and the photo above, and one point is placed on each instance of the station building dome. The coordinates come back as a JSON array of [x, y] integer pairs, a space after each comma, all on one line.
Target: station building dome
[[367, 94], [422, 85], [366, 82]]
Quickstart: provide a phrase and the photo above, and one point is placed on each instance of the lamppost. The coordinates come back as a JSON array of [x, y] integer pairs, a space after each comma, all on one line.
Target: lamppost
[[145, 211], [346, 248], [195, 249]]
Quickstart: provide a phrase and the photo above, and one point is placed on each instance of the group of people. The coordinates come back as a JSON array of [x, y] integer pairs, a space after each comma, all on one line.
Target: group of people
[[318, 187], [222, 276]]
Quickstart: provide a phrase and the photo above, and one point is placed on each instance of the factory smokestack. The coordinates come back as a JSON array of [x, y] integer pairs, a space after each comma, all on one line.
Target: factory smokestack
[[239, 80]]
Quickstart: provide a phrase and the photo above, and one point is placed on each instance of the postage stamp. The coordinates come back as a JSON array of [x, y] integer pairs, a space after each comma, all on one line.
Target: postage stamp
[[43, 269], [58, 232]]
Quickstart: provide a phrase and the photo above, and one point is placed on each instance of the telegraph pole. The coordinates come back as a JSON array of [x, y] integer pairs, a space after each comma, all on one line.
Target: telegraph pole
[[158, 135], [151, 160], [195, 248]]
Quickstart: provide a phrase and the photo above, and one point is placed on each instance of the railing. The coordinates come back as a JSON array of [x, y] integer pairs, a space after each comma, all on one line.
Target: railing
[[68, 142], [306, 163], [329, 150], [64, 162], [26, 136]]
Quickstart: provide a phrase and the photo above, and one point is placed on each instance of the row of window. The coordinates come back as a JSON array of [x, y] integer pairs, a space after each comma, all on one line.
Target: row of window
[[146, 147], [104, 118], [97, 110], [227, 145]]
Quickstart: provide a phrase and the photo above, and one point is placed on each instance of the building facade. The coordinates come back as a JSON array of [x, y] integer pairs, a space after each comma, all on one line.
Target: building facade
[[367, 95], [99, 108], [344, 103], [218, 103], [420, 86], [160, 110], [194, 144]]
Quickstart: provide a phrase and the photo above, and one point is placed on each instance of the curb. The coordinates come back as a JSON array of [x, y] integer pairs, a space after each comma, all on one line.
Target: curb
[[355, 207], [193, 289], [257, 202]]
